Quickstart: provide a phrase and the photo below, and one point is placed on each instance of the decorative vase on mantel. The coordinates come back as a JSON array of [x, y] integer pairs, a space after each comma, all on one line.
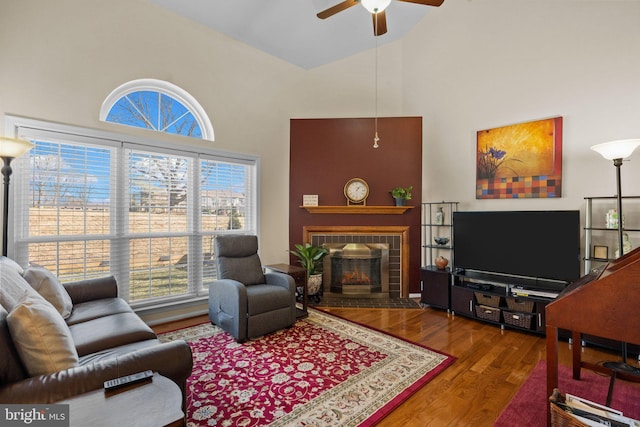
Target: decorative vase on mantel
[[400, 201]]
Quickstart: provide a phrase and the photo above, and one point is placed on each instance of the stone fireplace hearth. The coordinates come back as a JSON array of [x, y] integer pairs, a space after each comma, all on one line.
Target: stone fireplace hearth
[[386, 260]]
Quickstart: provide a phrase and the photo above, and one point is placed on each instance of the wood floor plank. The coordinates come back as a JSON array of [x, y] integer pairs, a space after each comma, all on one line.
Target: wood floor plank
[[491, 363]]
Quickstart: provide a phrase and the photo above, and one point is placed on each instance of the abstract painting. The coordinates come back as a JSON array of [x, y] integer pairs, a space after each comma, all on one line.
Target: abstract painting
[[520, 161]]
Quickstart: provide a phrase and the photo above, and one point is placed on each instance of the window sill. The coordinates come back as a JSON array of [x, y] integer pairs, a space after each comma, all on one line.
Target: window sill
[[163, 312]]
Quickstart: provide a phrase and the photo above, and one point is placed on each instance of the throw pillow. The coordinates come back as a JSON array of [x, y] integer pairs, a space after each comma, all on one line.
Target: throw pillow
[[12, 263], [41, 337], [13, 287], [48, 285]]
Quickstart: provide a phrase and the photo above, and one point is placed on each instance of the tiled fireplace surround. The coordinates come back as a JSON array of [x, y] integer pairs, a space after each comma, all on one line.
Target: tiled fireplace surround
[[397, 237]]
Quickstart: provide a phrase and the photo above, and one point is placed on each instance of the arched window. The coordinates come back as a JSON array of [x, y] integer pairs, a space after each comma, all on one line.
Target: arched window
[[157, 105]]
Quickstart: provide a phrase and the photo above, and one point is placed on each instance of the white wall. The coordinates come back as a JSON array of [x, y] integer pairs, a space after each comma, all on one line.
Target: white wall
[[61, 59], [468, 65], [477, 64]]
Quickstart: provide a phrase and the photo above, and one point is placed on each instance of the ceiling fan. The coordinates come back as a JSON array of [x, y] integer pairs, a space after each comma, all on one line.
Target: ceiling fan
[[376, 7]]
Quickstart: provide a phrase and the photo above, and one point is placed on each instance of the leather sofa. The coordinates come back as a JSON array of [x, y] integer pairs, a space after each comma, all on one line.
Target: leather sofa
[[110, 340]]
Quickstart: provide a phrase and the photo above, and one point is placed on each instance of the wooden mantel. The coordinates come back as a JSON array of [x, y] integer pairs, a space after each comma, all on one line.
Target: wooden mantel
[[358, 209]]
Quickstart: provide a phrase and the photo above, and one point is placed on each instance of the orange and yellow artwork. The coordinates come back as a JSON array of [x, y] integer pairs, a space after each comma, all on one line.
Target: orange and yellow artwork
[[520, 161]]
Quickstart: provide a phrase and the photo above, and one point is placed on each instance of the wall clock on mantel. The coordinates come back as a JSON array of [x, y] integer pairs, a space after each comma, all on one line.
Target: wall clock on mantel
[[356, 190]]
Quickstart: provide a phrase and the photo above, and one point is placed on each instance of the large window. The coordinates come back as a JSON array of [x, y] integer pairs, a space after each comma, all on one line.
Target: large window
[[88, 203]]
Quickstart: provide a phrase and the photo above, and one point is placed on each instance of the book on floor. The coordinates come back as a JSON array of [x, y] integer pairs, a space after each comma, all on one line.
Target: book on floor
[[594, 414]]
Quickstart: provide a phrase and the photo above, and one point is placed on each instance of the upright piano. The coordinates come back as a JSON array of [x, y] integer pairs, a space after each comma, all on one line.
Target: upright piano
[[604, 303]]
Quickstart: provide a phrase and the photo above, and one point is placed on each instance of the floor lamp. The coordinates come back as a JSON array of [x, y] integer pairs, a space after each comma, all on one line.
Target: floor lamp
[[616, 151], [10, 148]]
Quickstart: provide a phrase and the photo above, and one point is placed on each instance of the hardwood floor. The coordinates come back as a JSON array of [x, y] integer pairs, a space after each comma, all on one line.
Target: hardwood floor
[[491, 363]]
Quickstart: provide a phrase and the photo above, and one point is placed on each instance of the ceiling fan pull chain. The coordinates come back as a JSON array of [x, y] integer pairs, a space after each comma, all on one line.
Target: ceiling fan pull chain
[[376, 138]]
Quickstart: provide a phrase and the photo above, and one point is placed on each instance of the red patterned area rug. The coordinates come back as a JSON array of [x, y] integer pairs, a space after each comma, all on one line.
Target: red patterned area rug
[[528, 408], [325, 371]]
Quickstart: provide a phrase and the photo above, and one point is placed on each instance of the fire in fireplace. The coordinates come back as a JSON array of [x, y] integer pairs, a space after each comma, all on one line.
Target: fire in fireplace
[[355, 277], [358, 268]]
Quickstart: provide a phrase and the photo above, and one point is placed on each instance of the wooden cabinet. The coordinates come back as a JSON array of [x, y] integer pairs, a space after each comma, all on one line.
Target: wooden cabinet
[[541, 309], [435, 287], [462, 301]]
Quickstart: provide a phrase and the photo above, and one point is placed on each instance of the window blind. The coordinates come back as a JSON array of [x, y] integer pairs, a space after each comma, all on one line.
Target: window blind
[[88, 204]]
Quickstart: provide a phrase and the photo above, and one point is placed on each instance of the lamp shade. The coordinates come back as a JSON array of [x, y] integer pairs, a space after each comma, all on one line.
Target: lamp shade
[[619, 149], [12, 147], [375, 6]]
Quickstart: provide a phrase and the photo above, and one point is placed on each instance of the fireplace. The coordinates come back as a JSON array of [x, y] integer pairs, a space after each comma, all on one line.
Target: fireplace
[[392, 242], [357, 268]]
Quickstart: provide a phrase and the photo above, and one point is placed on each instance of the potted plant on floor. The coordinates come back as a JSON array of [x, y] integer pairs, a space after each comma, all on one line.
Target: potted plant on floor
[[310, 258], [401, 195]]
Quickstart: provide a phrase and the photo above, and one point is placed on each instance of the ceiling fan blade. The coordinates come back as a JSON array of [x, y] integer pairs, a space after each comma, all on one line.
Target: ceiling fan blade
[[337, 8], [434, 3], [379, 23]]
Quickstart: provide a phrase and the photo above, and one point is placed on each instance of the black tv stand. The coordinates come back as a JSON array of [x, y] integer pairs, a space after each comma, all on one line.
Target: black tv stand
[[508, 301]]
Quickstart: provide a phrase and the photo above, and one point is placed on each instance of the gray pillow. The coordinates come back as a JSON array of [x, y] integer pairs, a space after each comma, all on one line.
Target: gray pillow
[[12, 263], [13, 287], [48, 285]]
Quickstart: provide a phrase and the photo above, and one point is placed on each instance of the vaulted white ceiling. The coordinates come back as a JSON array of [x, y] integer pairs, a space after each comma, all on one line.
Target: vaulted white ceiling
[[290, 29]]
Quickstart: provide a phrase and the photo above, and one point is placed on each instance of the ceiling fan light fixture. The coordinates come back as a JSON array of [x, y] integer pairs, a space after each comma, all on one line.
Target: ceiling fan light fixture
[[375, 6]]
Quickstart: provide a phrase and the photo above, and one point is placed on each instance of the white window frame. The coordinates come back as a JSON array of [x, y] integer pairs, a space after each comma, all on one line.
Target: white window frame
[[165, 88], [30, 128]]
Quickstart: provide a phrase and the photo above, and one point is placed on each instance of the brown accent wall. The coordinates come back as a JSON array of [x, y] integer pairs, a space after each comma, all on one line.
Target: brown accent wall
[[326, 153]]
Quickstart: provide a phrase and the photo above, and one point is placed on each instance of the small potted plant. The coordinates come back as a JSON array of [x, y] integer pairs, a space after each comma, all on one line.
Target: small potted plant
[[310, 258], [401, 195]]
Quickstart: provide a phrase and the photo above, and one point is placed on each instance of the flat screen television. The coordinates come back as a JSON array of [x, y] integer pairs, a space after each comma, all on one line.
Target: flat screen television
[[532, 244]]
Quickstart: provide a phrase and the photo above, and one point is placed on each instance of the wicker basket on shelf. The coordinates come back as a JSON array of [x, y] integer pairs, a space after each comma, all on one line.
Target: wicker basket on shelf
[[490, 300], [521, 305], [522, 320], [488, 313]]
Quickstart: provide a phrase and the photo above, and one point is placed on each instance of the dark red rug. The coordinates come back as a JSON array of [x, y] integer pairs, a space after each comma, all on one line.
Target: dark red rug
[[529, 406], [323, 372]]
